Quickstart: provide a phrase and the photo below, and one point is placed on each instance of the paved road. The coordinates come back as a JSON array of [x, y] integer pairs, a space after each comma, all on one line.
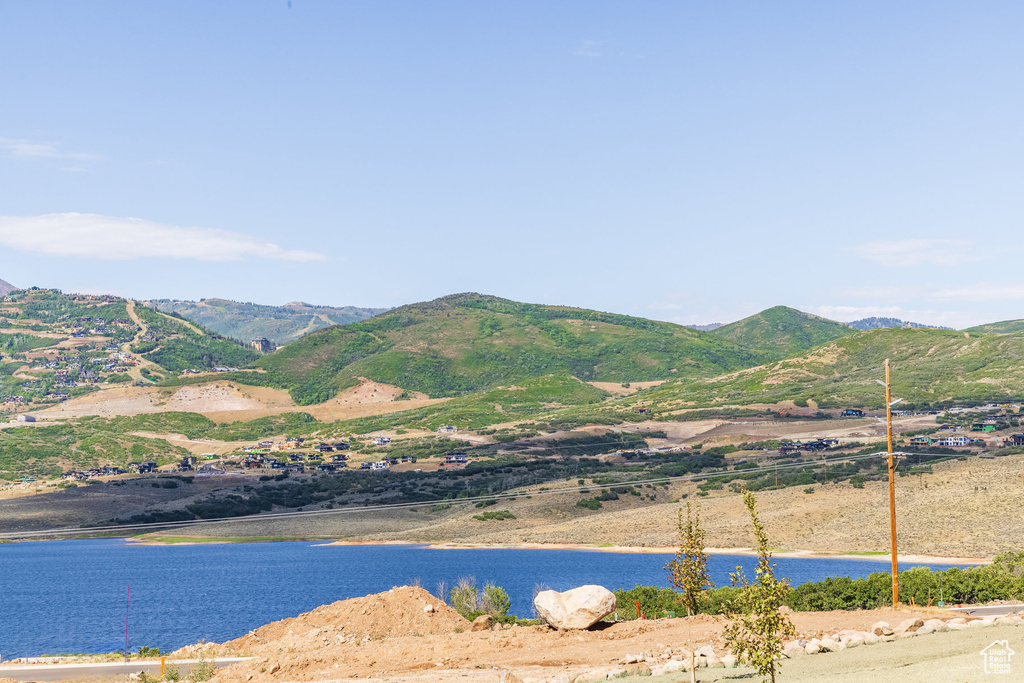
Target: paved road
[[988, 611], [60, 672]]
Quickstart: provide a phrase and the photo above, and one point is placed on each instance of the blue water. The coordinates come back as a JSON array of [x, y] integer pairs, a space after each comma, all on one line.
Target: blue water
[[69, 596]]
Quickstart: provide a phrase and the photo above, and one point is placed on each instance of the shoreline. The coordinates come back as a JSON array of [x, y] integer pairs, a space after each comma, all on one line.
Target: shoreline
[[911, 558]]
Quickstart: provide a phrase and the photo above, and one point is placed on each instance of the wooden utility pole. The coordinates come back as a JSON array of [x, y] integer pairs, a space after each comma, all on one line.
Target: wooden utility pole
[[892, 487]]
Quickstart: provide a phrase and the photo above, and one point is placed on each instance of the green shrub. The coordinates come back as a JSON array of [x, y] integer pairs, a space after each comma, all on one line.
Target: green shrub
[[495, 601], [497, 515], [1001, 580], [203, 671], [654, 602], [464, 596]]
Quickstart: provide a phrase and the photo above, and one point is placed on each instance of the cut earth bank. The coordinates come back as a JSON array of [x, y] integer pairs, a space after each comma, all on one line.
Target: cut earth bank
[[408, 635]]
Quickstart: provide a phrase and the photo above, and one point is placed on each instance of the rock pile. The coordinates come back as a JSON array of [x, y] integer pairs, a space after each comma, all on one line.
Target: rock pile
[[673, 660], [883, 632]]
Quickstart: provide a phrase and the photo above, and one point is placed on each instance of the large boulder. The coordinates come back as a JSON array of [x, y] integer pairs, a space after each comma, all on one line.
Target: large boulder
[[575, 609], [484, 622]]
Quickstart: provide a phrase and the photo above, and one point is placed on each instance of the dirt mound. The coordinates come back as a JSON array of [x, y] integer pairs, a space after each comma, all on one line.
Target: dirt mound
[[405, 611]]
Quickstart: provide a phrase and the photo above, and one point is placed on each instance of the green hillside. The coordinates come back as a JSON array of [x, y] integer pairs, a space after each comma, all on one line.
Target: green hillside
[[781, 331], [180, 346], [246, 321], [1004, 327], [931, 367], [469, 342]]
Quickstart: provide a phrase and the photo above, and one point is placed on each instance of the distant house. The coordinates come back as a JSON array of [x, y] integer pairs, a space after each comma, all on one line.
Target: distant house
[[852, 412], [787, 448], [455, 459], [263, 345], [983, 427], [1016, 440], [26, 418], [447, 429], [953, 441], [920, 441], [380, 465], [381, 440]]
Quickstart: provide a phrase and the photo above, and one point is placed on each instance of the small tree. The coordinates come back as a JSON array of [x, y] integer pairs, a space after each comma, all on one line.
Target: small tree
[[464, 596], [758, 632], [688, 570], [495, 601]]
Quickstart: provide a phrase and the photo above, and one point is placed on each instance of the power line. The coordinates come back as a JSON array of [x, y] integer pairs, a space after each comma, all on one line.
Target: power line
[[75, 531]]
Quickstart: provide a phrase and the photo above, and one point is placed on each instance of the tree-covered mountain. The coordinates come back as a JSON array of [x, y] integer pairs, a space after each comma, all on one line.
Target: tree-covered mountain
[[874, 323], [247, 321], [781, 331], [469, 342]]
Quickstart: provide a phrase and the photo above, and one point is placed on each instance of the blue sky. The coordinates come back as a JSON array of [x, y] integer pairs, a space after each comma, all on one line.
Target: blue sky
[[692, 162]]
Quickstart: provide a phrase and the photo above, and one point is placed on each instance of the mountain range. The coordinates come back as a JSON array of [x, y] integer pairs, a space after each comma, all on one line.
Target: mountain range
[[247, 321], [471, 344], [6, 288], [874, 323]]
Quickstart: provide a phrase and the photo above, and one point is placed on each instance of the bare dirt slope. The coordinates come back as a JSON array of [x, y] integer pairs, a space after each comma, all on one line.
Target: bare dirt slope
[[231, 402], [391, 636]]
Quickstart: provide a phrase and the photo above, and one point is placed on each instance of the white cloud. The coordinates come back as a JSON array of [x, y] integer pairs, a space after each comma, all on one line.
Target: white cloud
[[111, 238], [919, 252], [589, 48], [980, 292], [29, 149]]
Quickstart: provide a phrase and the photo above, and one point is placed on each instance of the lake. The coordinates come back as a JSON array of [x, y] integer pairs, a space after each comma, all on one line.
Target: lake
[[62, 597]]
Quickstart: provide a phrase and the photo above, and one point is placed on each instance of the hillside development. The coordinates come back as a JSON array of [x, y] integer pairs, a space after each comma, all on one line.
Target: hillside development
[[494, 421]]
